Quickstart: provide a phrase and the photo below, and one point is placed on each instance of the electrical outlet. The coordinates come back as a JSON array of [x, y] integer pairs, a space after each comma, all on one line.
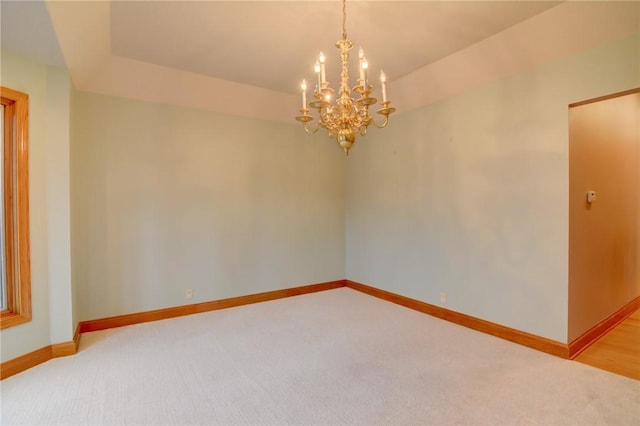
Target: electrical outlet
[[188, 293], [443, 297]]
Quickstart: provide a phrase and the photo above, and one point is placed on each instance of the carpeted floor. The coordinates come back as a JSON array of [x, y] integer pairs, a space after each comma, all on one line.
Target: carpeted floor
[[332, 358]]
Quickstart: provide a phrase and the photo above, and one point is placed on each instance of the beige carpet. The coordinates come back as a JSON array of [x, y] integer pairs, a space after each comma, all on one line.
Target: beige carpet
[[336, 357]]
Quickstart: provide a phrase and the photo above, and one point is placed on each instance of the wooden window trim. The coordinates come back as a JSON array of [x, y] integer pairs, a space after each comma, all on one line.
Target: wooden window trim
[[16, 208]]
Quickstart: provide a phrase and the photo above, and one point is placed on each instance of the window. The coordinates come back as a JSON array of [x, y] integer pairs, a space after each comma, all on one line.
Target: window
[[15, 270]]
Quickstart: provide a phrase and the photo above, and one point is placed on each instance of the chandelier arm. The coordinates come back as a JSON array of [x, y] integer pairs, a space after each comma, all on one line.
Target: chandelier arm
[[311, 132], [384, 124]]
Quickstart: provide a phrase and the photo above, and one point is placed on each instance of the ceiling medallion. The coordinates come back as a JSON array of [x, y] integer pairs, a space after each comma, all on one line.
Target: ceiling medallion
[[345, 116]]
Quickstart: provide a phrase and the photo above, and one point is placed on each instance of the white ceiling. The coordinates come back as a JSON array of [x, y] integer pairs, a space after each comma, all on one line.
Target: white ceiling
[[248, 57], [273, 44]]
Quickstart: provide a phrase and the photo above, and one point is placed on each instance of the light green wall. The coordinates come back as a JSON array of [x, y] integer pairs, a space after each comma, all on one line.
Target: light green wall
[[75, 250], [167, 198], [58, 197], [48, 90], [468, 196]]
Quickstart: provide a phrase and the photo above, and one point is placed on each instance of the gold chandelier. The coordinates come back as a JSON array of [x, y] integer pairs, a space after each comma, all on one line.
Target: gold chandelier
[[345, 116]]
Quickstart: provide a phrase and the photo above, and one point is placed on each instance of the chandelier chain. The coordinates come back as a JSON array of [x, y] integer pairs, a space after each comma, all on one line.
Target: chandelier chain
[[344, 19]]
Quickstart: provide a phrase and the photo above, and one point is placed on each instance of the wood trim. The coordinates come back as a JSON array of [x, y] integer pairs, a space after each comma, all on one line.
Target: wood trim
[[590, 336], [76, 337], [63, 349], [604, 98], [22, 201], [160, 314], [16, 208], [24, 362], [7, 210], [32, 359], [67, 348], [530, 340]]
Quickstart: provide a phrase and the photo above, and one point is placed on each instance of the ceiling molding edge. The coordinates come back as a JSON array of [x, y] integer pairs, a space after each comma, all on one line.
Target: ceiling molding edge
[[93, 68], [563, 30]]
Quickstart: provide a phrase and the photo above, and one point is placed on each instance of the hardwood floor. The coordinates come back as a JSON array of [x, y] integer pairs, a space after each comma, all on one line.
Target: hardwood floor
[[618, 351]]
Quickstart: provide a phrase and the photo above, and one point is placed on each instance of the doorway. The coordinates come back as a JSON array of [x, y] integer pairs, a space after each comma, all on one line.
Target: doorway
[[604, 214]]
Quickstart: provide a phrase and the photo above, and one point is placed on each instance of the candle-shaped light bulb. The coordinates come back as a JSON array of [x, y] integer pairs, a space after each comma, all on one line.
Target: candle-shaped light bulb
[[303, 86], [383, 81], [317, 70], [327, 97], [361, 58], [321, 58], [365, 66]]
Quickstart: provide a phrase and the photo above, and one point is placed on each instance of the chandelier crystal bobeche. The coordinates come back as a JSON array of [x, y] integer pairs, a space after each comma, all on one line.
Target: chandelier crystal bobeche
[[345, 116]]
